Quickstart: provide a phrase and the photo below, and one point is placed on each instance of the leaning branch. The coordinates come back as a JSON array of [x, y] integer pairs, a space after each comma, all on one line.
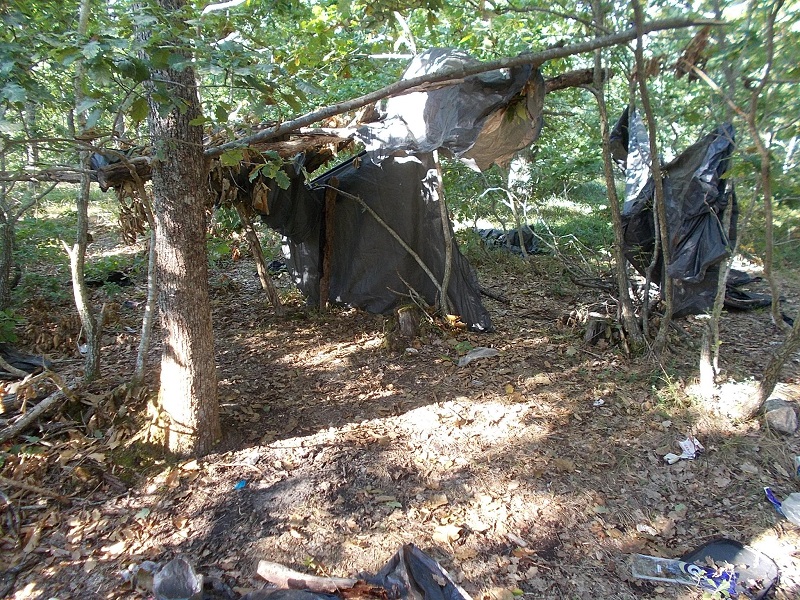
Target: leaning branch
[[455, 75]]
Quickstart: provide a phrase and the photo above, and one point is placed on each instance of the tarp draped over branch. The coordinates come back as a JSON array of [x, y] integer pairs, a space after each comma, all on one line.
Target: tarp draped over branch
[[483, 120], [696, 194], [370, 269], [455, 75]]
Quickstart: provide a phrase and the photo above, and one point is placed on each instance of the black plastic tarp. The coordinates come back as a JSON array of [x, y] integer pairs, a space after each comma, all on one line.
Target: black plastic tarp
[[482, 120], [696, 197], [369, 268]]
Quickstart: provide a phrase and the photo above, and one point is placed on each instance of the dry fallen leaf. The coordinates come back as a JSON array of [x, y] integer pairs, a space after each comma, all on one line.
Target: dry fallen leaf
[[446, 534], [565, 465]]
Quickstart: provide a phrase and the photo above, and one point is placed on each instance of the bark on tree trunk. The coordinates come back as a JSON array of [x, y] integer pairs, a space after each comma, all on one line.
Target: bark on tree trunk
[[772, 372], [659, 207], [188, 419], [6, 249]]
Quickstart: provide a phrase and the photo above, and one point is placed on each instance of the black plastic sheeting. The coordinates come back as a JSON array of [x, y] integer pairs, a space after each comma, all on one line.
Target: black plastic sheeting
[[409, 575], [369, 268], [483, 120], [696, 197], [509, 240]]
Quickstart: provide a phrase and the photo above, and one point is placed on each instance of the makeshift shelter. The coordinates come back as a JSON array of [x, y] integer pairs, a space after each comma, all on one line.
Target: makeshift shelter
[[369, 268], [397, 179], [482, 120], [696, 195]]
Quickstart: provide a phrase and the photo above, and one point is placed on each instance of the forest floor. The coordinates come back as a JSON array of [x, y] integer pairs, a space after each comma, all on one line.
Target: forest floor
[[535, 473]]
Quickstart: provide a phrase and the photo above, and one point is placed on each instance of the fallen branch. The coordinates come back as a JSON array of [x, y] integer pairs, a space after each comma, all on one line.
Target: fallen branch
[[495, 296], [12, 370], [31, 416], [287, 578], [33, 488]]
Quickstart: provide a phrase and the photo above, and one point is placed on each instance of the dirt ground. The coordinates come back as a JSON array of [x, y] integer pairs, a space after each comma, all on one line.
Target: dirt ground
[[534, 473]]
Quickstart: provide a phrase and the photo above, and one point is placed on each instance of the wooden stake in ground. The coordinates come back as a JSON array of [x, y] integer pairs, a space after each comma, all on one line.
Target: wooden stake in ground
[[444, 301], [258, 255], [327, 246]]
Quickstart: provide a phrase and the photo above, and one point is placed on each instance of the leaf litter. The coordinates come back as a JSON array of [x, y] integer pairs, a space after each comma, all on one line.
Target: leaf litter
[[337, 451]]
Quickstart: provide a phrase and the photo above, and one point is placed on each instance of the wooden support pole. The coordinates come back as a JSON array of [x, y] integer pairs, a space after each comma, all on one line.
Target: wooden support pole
[[258, 255], [327, 244]]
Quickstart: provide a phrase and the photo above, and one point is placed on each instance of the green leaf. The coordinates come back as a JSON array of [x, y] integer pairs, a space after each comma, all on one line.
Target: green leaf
[[222, 111], [134, 69], [231, 158], [13, 93], [85, 105], [139, 110], [92, 49], [282, 179], [199, 121], [292, 101]]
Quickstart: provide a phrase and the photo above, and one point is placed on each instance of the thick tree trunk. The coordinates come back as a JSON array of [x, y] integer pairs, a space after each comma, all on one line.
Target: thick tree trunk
[[188, 419]]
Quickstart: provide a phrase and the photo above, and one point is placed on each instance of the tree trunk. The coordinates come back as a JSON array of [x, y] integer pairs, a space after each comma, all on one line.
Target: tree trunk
[[149, 310], [92, 325], [188, 419], [626, 312], [772, 372], [660, 207], [766, 163], [6, 249]]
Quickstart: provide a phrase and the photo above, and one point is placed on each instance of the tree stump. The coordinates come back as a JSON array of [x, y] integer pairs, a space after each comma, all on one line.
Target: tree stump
[[403, 328]]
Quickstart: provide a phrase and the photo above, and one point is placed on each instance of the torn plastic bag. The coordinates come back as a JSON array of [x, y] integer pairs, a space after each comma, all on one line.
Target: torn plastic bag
[[413, 575], [696, 195], [483, 120]]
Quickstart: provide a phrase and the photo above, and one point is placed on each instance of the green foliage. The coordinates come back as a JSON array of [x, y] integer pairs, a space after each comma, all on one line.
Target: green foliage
[[8, 325]]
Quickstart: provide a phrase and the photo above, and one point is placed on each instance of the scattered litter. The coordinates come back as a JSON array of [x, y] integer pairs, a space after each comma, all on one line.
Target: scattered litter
[[797, 465], [178, 581], [409, 574], [691, 448], [789, 508], [757, 573], [598, 402], [476, 353], [240, 485], [713, 579]]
